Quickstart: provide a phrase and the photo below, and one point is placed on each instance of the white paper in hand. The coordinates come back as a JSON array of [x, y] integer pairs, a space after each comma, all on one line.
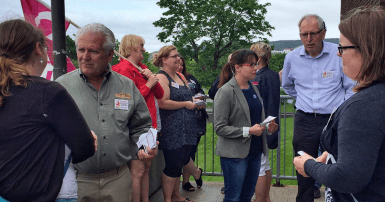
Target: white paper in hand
[[200, 103], [267, 120], [148, 139]]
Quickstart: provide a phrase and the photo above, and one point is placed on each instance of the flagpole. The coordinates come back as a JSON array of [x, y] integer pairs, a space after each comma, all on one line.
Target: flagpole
[[77, 26], [59, 38]]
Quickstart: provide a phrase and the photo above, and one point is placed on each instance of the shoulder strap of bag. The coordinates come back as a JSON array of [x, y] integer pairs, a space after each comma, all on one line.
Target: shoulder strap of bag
[[331, 157]]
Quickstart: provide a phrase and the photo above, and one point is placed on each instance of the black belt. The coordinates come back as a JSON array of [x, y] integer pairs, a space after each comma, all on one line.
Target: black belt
[[313, 114]]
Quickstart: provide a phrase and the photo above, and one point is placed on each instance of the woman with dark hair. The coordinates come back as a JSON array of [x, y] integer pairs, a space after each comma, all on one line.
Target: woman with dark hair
[[241, 139], [201, 115], [354, 138], [179, 135], [38, 118]]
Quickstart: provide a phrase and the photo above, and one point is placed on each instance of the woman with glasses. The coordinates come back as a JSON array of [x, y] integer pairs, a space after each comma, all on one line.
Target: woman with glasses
[[241, 138], [132, 47], [354, 138], [178, 120], [40, 124]]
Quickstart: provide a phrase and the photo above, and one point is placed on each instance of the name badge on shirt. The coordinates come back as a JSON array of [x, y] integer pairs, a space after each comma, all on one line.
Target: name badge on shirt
[[327, 74], [175, 85], [121, 104]]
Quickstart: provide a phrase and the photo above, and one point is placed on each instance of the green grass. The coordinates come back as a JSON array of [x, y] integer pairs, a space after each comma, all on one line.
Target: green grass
[[211, 163]]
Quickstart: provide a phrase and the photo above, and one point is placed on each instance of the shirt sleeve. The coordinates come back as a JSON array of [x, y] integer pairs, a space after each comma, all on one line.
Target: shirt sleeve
[[287, 81], [214, 88], [158, 91], [348, 84], [140, 121], [68, 122], [359, 143]]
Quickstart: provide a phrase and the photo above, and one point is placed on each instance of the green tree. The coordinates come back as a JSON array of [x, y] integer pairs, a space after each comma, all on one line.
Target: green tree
[[276, 61], [71, 50], [206, 30]]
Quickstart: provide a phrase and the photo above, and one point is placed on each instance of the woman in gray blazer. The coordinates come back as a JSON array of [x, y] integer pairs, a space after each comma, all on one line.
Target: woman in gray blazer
[[241, 140]]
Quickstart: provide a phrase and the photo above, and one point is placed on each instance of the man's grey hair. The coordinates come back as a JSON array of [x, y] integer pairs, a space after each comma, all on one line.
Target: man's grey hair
[[109, 42], [321, 23]]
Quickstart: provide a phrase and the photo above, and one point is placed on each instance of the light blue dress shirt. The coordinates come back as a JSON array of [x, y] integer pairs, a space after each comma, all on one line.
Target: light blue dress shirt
[[318, 84]]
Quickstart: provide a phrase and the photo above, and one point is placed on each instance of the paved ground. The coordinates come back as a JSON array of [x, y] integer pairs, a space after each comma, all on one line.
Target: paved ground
[[210, 192]]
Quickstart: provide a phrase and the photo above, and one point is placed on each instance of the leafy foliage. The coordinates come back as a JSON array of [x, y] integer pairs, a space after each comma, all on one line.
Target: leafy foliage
[[71, 50], [276, 61], [205, 31]]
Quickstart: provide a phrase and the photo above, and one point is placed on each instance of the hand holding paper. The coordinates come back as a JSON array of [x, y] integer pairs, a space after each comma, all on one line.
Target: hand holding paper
[[148, 139], [267, 120]]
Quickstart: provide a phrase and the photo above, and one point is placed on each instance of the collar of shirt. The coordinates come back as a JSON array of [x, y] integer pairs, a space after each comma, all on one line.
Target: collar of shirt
[[106, 75], [326, 49]]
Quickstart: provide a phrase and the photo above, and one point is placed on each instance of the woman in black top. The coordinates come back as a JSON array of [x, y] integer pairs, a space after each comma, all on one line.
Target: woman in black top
[[201, 116], [177, 119], [37, 118], [355, 134]]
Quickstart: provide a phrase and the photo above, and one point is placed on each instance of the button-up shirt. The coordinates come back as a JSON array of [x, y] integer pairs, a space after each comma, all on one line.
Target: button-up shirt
[[317, 83], [117, 113]]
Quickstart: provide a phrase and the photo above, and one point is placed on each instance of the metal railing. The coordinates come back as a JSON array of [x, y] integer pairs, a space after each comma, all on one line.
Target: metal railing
[[280, 159]]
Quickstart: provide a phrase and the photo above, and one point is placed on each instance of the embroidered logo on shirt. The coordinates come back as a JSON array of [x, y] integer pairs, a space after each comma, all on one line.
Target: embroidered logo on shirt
[[254, 96], [123, 95], [121, 104], [327, 74], [255, 83]]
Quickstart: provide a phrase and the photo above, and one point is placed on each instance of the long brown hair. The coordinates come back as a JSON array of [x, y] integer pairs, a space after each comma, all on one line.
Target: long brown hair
[[365, 28], [238, 57], [17, 41], [184, 70]]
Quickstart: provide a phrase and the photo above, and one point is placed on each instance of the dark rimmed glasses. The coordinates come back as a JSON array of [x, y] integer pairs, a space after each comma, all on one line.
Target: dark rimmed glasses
[[341, 48], [312, 34]]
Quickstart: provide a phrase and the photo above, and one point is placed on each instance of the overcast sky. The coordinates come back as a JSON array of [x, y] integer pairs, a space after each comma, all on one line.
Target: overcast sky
[[136, 16]]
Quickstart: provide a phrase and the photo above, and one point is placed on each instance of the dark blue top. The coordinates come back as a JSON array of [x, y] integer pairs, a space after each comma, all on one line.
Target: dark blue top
[[179, 126], [267, 82], [255, 108], [355, 136]]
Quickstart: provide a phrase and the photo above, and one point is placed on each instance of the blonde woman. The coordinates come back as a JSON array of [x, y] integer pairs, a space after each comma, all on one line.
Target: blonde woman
[[132, 47]]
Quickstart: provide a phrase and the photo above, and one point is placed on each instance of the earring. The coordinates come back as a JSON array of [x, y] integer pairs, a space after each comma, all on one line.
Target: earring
[[41, 60]]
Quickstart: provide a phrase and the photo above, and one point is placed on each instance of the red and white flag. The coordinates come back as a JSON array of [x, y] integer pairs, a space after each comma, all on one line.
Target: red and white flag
[[39, 14]]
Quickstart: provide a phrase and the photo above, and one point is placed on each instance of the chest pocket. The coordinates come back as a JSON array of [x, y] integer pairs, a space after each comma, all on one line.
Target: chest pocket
[[331, 76], [123, 108]]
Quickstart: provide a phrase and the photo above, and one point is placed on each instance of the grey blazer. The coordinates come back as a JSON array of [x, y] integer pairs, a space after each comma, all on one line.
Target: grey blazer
[[231, 114]]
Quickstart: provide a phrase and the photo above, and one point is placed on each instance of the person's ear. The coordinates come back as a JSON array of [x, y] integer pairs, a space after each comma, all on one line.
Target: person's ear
[[110, 55], [39, 50]]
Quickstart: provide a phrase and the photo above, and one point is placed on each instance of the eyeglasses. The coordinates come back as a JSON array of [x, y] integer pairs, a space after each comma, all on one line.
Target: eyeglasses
[[174, 56], [312, 34], [341, 48], [250, 65]]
